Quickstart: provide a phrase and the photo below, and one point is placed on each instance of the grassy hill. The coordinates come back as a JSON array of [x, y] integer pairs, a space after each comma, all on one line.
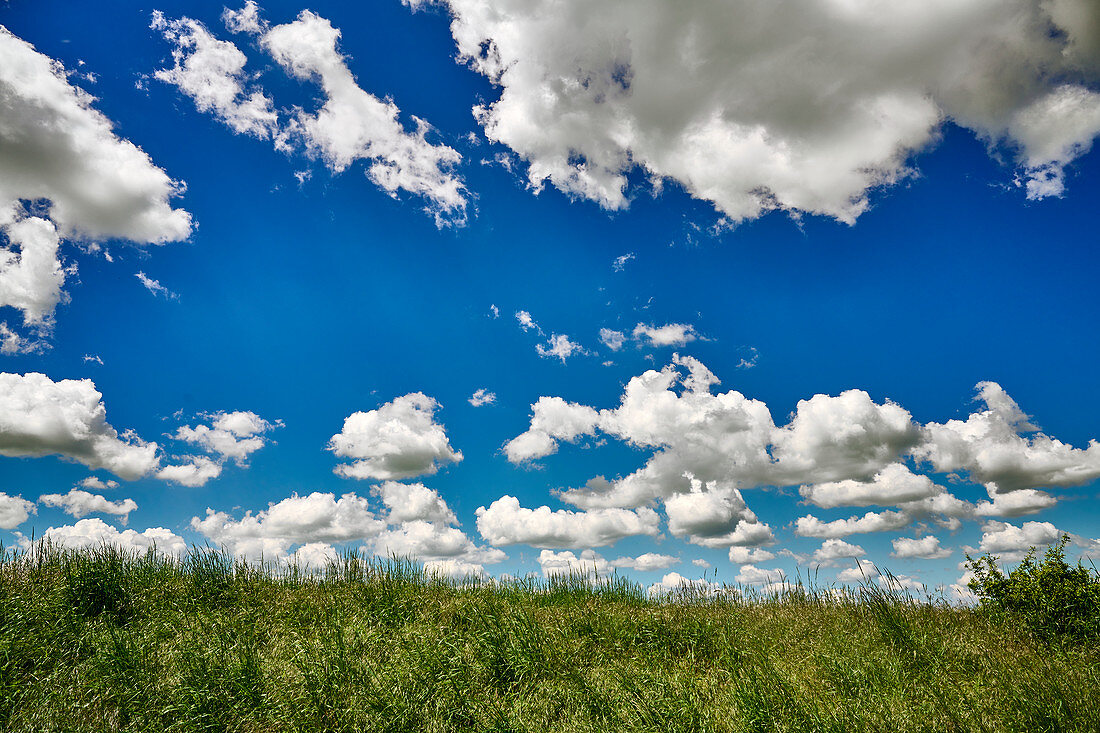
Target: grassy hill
[[101, 641]]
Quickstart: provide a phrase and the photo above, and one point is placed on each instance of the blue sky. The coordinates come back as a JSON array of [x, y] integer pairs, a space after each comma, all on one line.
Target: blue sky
[[784, 199]]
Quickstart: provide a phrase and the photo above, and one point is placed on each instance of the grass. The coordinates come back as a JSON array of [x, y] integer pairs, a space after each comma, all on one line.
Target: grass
[[99, 640]]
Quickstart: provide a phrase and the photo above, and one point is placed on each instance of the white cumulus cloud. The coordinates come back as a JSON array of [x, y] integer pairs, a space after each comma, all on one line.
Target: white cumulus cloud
[[799, 106], [670, 334], [810, 526], [398, 440], [55, 147], [413, 502], [351, 124], [559, 346], [646, 562], [78, 503], [211, 72], [95, 532], [192, 472], [833, 550], [296, 520], [612, 339], [482, 397], [40, 417], [230, 435], [589, 564], [1000, 446], [505, 522], [927, 548], [14, 510]]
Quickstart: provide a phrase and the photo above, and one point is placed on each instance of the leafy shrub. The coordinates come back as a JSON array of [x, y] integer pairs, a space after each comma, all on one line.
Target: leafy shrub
[[1054, 599]]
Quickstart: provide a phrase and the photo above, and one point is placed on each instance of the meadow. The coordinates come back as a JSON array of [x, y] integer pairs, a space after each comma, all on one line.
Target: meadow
[[102, 640]]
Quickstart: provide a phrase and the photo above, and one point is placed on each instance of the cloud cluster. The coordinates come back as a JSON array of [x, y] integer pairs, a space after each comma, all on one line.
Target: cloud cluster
[[675, 584], [398, 440], [799, 106], [593, 565], [95, 532], [57, 148], [847, 450], [557, 345], [230, 435], [211, 72], [351, 124], [727, 438], [566, 563], [417, 524], [40, 417], [707, 446]]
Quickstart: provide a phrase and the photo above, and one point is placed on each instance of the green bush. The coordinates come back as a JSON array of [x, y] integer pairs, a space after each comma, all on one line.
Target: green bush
[[1054, 599]]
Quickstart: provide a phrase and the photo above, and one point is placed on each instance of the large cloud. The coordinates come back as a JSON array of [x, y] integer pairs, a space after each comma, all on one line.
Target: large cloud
[[799, 105], [40, 417], [699, 436], [418, 525], [398, 440], [56, 147], [505, 522], [351, 125], [317, 517], [845, 451]]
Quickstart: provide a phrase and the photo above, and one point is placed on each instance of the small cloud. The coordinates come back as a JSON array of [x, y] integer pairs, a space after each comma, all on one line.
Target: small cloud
[[526, 322], [749, 361], [613, 340], [620, 261], [670, 334], [494, 312], [94, 482], [155, 287], [561, 346], [482, 397], [93, 358]]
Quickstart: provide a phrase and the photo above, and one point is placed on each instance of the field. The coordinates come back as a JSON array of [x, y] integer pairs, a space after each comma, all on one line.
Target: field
[[98, 640]]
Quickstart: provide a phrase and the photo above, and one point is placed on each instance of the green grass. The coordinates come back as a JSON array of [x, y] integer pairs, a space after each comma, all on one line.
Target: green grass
[[102, 641]]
